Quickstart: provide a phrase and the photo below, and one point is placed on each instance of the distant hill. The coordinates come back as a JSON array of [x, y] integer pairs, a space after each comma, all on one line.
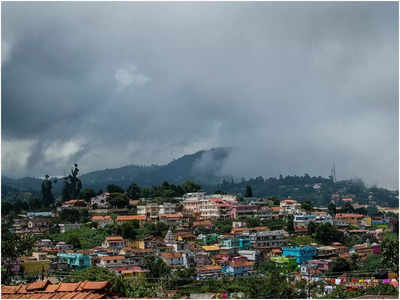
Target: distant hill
[[203, 167]]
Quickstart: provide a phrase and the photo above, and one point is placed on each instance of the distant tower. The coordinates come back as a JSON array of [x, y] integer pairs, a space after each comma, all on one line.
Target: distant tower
[[333, 173], [371, 210]]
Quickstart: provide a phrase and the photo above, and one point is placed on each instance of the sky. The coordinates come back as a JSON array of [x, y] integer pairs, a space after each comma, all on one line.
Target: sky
[[293, 87]]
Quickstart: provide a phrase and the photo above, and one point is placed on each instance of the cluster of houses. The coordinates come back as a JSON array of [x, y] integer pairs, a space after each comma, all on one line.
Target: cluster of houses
[[192, 242]]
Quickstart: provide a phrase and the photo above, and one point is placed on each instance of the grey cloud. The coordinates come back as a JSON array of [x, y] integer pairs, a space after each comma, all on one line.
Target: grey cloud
[[293, 86]]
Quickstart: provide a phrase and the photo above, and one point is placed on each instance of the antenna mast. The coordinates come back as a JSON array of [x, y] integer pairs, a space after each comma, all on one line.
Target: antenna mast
[[333, 173]]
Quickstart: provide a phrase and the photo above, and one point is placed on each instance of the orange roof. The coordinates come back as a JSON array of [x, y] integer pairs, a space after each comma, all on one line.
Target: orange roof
[[347, 199], [37, 285], [319, 212], [131, 218], [114, 238], [68, 287], [289, 201], [202, 223], [171, 255], [241, 264], [349, 216], [172, 216], [240, 229], [38, 290], [117, 257], [94, 285], [276, 251], [275, 208], [101, 218], [51, 288], [208, 268]]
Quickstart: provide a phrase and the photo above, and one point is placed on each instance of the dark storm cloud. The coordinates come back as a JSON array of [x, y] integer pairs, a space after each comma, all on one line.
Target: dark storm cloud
[[293, 86]]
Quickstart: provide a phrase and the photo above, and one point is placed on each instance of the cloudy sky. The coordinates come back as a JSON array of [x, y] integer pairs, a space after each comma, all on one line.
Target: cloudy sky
[[293, 87]]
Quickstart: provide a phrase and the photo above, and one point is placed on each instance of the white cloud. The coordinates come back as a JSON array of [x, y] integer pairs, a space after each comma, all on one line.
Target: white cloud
[[15, 154], [130, 76]]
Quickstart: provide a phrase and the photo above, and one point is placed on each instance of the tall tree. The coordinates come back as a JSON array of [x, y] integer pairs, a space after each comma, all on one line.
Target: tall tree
[[290, 224], [72, 185], [133, 191], [249, 191], [47, 194], [332, 209], [113, 188], [390, 252]]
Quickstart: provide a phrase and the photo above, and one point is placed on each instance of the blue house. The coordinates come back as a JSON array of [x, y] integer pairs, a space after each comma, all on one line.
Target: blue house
[[300, 253], [39, 214], [240, 242], [75, 260], [239, 268]]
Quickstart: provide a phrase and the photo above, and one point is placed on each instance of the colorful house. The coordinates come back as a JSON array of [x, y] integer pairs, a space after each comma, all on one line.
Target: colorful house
[[75, 260], [239, 268], [206, 272], [300, 253], [242, 243]]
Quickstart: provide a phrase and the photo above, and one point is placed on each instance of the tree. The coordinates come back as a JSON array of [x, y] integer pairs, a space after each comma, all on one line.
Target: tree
[[72, 185], [249, 191], [340, 265], [128, 230], [75, 242], [191, 187], [157, 267], [87, 194], [390, 253], [332, 209], [290, 225], [348, 208], [307, 206], [118, 200], [327, 234], [13, 246], [113, 188], [312, 228], [133, 191], [47, 194]]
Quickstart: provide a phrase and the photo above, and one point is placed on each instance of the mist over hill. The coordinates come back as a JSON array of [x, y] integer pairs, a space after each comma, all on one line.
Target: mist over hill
[[206, 168], [203, 167]]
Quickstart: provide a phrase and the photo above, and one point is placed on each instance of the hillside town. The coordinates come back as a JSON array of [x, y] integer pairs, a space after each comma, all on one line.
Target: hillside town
[[199, 238]]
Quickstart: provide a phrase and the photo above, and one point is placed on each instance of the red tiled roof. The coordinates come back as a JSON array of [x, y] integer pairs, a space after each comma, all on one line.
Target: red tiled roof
[[94, 285], [349, 216], [38, 290], [171, 216], [208, 268], [131, 218], [37, 285], [241, 264], [118, 257], [51, 288], [289, 201], [100, 218], [202, 223], [347, 199], [68, 287], [171, 255], [114, 238]]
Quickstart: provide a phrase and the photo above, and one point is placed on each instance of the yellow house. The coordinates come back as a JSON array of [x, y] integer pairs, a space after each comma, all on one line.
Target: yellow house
[[139, 244]]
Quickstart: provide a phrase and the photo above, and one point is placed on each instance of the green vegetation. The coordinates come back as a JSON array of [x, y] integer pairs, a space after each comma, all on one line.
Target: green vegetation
[[83, 238], [223, 227], [12, 246], [303, 240]]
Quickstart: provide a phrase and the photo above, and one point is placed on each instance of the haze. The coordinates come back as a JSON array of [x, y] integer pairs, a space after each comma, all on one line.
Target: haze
[[292, 87]]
